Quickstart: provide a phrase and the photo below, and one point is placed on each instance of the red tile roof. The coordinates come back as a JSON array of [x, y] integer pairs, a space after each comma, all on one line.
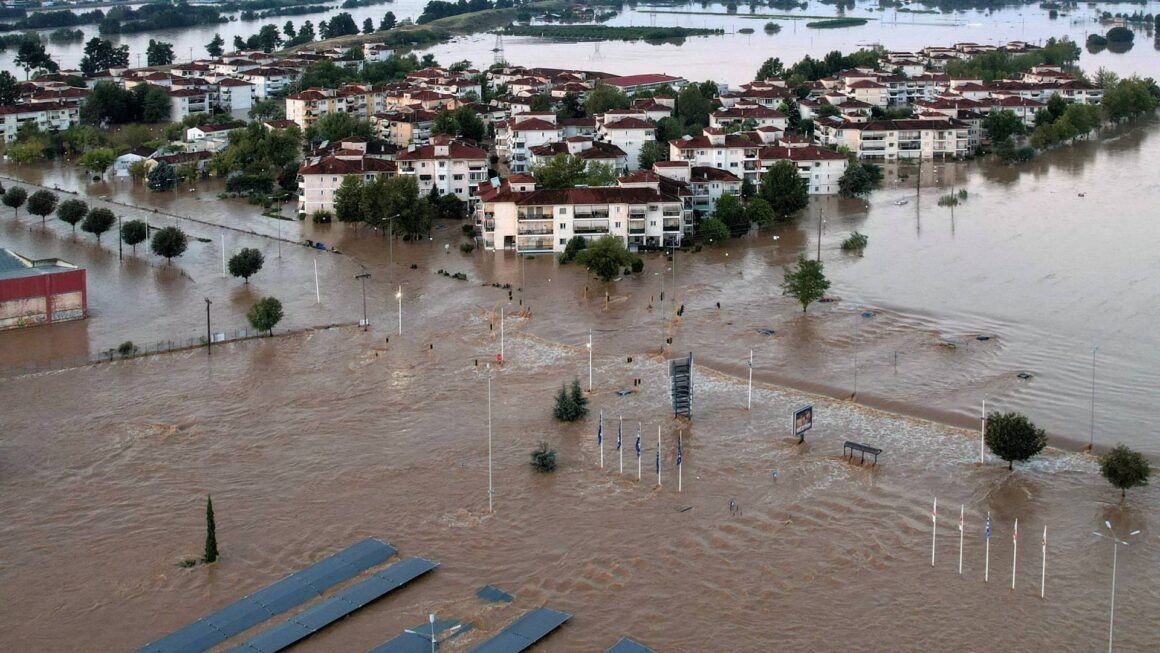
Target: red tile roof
[[329, 165]]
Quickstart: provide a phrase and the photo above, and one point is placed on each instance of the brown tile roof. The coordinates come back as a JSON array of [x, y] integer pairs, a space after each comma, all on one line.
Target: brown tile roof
[[329, 165]]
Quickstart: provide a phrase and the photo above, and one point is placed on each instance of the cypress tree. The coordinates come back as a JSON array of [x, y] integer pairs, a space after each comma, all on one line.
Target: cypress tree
[[211, 549]]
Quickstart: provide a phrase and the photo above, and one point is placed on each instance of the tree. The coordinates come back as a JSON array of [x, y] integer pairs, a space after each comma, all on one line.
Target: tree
[[806, 282], [289, 31], [748, 190], [760, 212], [729, 211], [859, 179], [384, 197], [1125, 468], [272, 109], [41, 203], [159, 53], [605, 257], [1011, 437], [575, 244], [169, 242], [154, 104], [337, 126], [368, 26], [103, 55], [246, 263], [341, 25], [388, 21], [544, 458], [1120, 35], [571, 406], [239, 43], [450, 207], [97, 221], [211, 548], [651, 152], [72, 212], [134, 232], [770, 68], [9, 89], [32, 56], [162, 177], [14, 198], [347, 198], [713, 230], [540, 102], [1003, 124], [265, 314], [693, 107], [216, 47], [561, 171], [444, 123], [605, 97], [570, 107], [471, 127], [784, 189], [97, 161]]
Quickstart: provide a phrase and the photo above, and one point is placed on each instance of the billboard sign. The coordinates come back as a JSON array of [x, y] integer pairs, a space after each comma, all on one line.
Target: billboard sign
[[803, 420]]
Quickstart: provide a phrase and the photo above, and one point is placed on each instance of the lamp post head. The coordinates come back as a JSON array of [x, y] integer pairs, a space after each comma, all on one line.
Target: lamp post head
[[399, 295], [1108, 524], [207, 301], [431, 617]]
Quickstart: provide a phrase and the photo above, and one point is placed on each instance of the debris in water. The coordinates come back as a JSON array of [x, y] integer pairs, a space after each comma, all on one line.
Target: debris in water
[[1025, 375], [766, 332]]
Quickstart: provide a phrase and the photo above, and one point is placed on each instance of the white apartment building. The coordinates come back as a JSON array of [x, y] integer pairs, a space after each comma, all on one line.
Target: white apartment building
[[629, 134], [47, 116], [235, 94], [186, 101], [707, 185], [716, 149], [319, 178], [445, 165], [583, 147], [514, 138], [820, 168], [519, 217], [891, 140]]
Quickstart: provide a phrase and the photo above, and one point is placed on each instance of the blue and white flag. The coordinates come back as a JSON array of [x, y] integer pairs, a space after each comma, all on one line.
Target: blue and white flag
[[600, 429], [638, 440], [678, 450], [619, 433], [658, 459], [987, 528]]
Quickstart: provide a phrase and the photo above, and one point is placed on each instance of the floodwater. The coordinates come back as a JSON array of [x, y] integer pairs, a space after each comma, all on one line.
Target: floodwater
[[733, 58]]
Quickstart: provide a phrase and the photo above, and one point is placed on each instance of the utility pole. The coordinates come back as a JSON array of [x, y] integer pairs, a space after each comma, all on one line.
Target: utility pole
[[208, 334], [363, 276]]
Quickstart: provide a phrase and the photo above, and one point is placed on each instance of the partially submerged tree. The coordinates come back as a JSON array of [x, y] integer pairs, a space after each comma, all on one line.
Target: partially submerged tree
[[14, 198], [571, 405], [211, 548], [169, 242], [134, 232], [1125, 468], [41, 203], [265, 314], [72, 211], [544, 458], [246, 263], [1011, 437], [98, 221], [605, 257], [785, 190], [806, 282]]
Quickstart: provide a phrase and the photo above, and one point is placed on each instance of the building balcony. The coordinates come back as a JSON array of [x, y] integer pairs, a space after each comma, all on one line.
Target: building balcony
[[590, 226], [672, 224], [534, 228], [533, 244], [533, 215]]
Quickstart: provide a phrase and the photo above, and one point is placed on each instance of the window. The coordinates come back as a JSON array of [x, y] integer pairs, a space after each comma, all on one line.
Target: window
[[563, 226], [652, 223], [562, 211], [616, 224], [563, 241], [442, 164]]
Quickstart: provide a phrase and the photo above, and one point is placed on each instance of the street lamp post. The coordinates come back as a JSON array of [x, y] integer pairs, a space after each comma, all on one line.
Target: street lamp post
[[399, 296], [490, 490], [589, 360], [1092, 434], [120, 240], [208, 335], [1116, 543], [431, 620], [363, 276]]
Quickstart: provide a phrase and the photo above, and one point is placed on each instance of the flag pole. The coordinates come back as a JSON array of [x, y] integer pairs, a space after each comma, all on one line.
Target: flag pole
[[933, 529], [658, 455], [620, 443], [638, 452], [600, 437], [987, 560], [1043, 574], [962, 508], [317, 291], [983, 433], [680, 466], [749, 404], [1014, 551], [501, 335]]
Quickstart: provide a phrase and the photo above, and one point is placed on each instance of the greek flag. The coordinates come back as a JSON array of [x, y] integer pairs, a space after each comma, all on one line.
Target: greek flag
[[658, 459], [600, 430], [619, 433], [638, 440], [678, 451], [987, 528]]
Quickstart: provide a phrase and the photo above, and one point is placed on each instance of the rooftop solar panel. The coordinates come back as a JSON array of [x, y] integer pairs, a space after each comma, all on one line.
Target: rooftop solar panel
[[524, 632], [626, 645], [291, 591]]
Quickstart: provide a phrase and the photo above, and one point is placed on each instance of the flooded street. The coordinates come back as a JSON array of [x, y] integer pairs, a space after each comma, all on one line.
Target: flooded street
[[316, 438]]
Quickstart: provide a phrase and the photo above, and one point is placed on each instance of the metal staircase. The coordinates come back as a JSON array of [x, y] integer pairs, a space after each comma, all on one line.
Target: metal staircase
[[681, 378]]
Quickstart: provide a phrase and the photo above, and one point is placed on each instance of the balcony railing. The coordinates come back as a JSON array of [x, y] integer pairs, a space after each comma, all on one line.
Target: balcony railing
[[533, 215], [673, 224], [590, 226], [536, 228]]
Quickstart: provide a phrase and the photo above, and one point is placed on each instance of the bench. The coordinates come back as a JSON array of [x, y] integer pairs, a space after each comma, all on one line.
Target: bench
[[864, 449]]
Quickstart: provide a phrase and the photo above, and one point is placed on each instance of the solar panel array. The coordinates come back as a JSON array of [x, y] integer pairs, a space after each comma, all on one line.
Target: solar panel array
[[291, 591], [626, 645], [418, 639], [524, 632], [331, 609]]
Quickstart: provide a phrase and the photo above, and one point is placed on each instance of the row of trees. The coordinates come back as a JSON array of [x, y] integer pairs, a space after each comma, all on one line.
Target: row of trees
[[385, 200]]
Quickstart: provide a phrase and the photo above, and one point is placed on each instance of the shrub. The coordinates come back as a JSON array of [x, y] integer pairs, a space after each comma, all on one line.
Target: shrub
[[468, 230], [1125, 468], [571, 404], [321, 217], [544, 458], [467, 248], [127, 348], [638, 265], [855, 243]]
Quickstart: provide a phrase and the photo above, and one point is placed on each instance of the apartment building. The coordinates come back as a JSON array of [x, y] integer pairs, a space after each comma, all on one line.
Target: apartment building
[[628, 133], [892, 140], [516, 215], [821, 169], [515, 137], [447, 166], [583, 147], [319, 177], [716, 149], [47, 116]]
